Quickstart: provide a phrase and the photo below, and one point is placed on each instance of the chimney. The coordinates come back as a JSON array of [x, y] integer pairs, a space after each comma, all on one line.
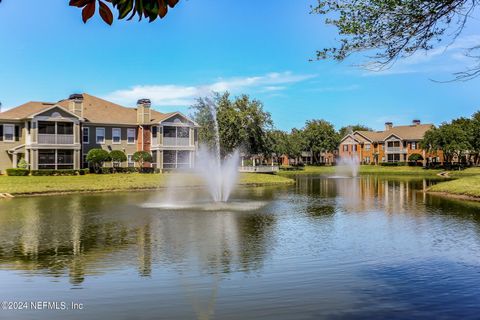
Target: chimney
[[75, 104], [143, 111], [416, 122], [388, 125]]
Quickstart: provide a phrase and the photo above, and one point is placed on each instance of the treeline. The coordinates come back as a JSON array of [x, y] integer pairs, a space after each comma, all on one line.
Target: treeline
[[459, 140], [243, 124]]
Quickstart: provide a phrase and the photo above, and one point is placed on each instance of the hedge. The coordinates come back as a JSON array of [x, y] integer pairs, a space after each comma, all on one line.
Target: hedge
[[109, 170], [64, 172], [17, 172]]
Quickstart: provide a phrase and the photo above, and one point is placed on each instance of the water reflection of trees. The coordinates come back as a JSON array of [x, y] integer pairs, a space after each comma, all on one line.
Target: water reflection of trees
[[83, 235], [370, 193]]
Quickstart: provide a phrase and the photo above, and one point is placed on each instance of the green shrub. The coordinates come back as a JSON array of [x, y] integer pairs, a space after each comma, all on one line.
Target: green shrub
[[389, 164], [118, 156], [61, 172], [141, 157], [17, 172], [415, 157], [22, 164], [106, 170], [402, 163], [97, 157]]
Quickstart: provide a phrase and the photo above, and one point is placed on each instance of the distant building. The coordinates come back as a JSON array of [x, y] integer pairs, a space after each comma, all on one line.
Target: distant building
[[394, 144], [59, 135]]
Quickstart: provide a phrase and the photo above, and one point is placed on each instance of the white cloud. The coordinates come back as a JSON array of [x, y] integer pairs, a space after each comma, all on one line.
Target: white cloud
[[178, 95], [446, 58]]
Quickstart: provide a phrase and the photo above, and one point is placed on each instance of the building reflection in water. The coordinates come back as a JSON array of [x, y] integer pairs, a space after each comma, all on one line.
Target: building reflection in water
[[80, 236], [368, 193]]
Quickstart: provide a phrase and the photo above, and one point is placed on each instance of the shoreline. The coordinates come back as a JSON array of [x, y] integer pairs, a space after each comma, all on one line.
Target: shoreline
[[449, 195], [138, 189]]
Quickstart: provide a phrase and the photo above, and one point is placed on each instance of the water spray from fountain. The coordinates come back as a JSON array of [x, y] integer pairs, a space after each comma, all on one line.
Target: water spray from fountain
[[219, 177]]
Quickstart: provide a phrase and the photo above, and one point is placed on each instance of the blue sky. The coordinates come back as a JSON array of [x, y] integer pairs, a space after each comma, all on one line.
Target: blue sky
[[257, 47]]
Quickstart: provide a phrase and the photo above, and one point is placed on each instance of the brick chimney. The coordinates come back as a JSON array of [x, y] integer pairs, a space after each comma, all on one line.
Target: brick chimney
[[75, 104], [416, 122], [388, 125], [143, 111]]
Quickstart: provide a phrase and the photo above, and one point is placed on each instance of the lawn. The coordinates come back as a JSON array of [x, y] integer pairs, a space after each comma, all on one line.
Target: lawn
[[466, 186], [116, 182], [367, 169], [400, 170]]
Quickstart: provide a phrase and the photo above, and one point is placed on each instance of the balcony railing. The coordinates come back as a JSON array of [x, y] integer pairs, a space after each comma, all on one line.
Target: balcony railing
[[395, 149], [55, 138], [176, 142]]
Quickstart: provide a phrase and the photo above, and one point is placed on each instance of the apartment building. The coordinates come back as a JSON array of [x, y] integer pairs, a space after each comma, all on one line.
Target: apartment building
[[394, 144], [59, 135]]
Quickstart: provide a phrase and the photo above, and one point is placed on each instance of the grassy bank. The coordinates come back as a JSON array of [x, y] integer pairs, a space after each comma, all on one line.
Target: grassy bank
[[116, 182], [367, 169], [400, 170], [465, 186]]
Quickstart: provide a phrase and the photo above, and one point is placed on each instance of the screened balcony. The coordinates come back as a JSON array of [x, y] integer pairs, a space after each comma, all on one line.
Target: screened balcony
[[176, 136], [55, 132]]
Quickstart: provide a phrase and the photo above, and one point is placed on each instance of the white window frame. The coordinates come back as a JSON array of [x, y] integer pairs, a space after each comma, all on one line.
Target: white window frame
[[88, 135], [129, 130], [367, 146], [119, 135], [345, 148], [414, 145], [5, 126], [96, 135]]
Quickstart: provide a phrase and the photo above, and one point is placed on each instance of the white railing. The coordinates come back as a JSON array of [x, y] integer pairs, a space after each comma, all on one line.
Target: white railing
[[395, 149], [176, 142], [154, 141], [259, 169], [55, 138]]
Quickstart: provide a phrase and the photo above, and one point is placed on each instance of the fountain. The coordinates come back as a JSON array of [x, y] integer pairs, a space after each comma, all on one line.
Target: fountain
[[218, 175], [347, 167]]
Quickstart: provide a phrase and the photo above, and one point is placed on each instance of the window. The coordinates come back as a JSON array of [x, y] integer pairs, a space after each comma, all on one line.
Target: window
[[8, 132], [354, 148], [116, 135], [86, 135], [345, 147], [130, 136], [100, 135], [366, 160], [130, 161], [367, 147], [84, 161], [414, 145]]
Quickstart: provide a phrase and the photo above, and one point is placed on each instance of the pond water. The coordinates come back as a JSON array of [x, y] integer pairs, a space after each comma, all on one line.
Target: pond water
[[369, 247]]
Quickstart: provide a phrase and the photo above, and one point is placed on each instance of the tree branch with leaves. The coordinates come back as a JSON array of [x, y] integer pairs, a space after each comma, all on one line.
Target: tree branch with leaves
[[395, 29]]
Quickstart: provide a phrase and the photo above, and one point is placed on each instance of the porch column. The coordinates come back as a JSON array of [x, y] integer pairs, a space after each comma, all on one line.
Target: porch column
[[160, 159], [14, 160], [76, 159]]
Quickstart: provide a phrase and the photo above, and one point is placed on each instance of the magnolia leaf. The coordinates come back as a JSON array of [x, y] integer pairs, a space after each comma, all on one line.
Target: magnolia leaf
[[105, 13], [88, 11]]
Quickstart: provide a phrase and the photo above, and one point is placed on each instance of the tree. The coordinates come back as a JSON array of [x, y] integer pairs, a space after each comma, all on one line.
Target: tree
[[118, 156], [22, 164], [151, 9], [475, 138], [242, 123], [141, 157], [277, 143], [96, 157], [352, 128], [296, 143], [450, 138], [415, 157], [320, 136], [395, 28]]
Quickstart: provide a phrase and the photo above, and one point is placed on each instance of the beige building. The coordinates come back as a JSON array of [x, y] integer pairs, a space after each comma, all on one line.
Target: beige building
[[59, 135]]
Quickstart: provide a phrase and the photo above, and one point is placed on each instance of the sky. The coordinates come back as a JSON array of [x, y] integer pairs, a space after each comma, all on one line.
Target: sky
[[261, 48]]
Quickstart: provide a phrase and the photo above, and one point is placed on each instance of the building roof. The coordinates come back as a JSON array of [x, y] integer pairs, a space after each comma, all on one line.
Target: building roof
[[409, 132], [95, 110]]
